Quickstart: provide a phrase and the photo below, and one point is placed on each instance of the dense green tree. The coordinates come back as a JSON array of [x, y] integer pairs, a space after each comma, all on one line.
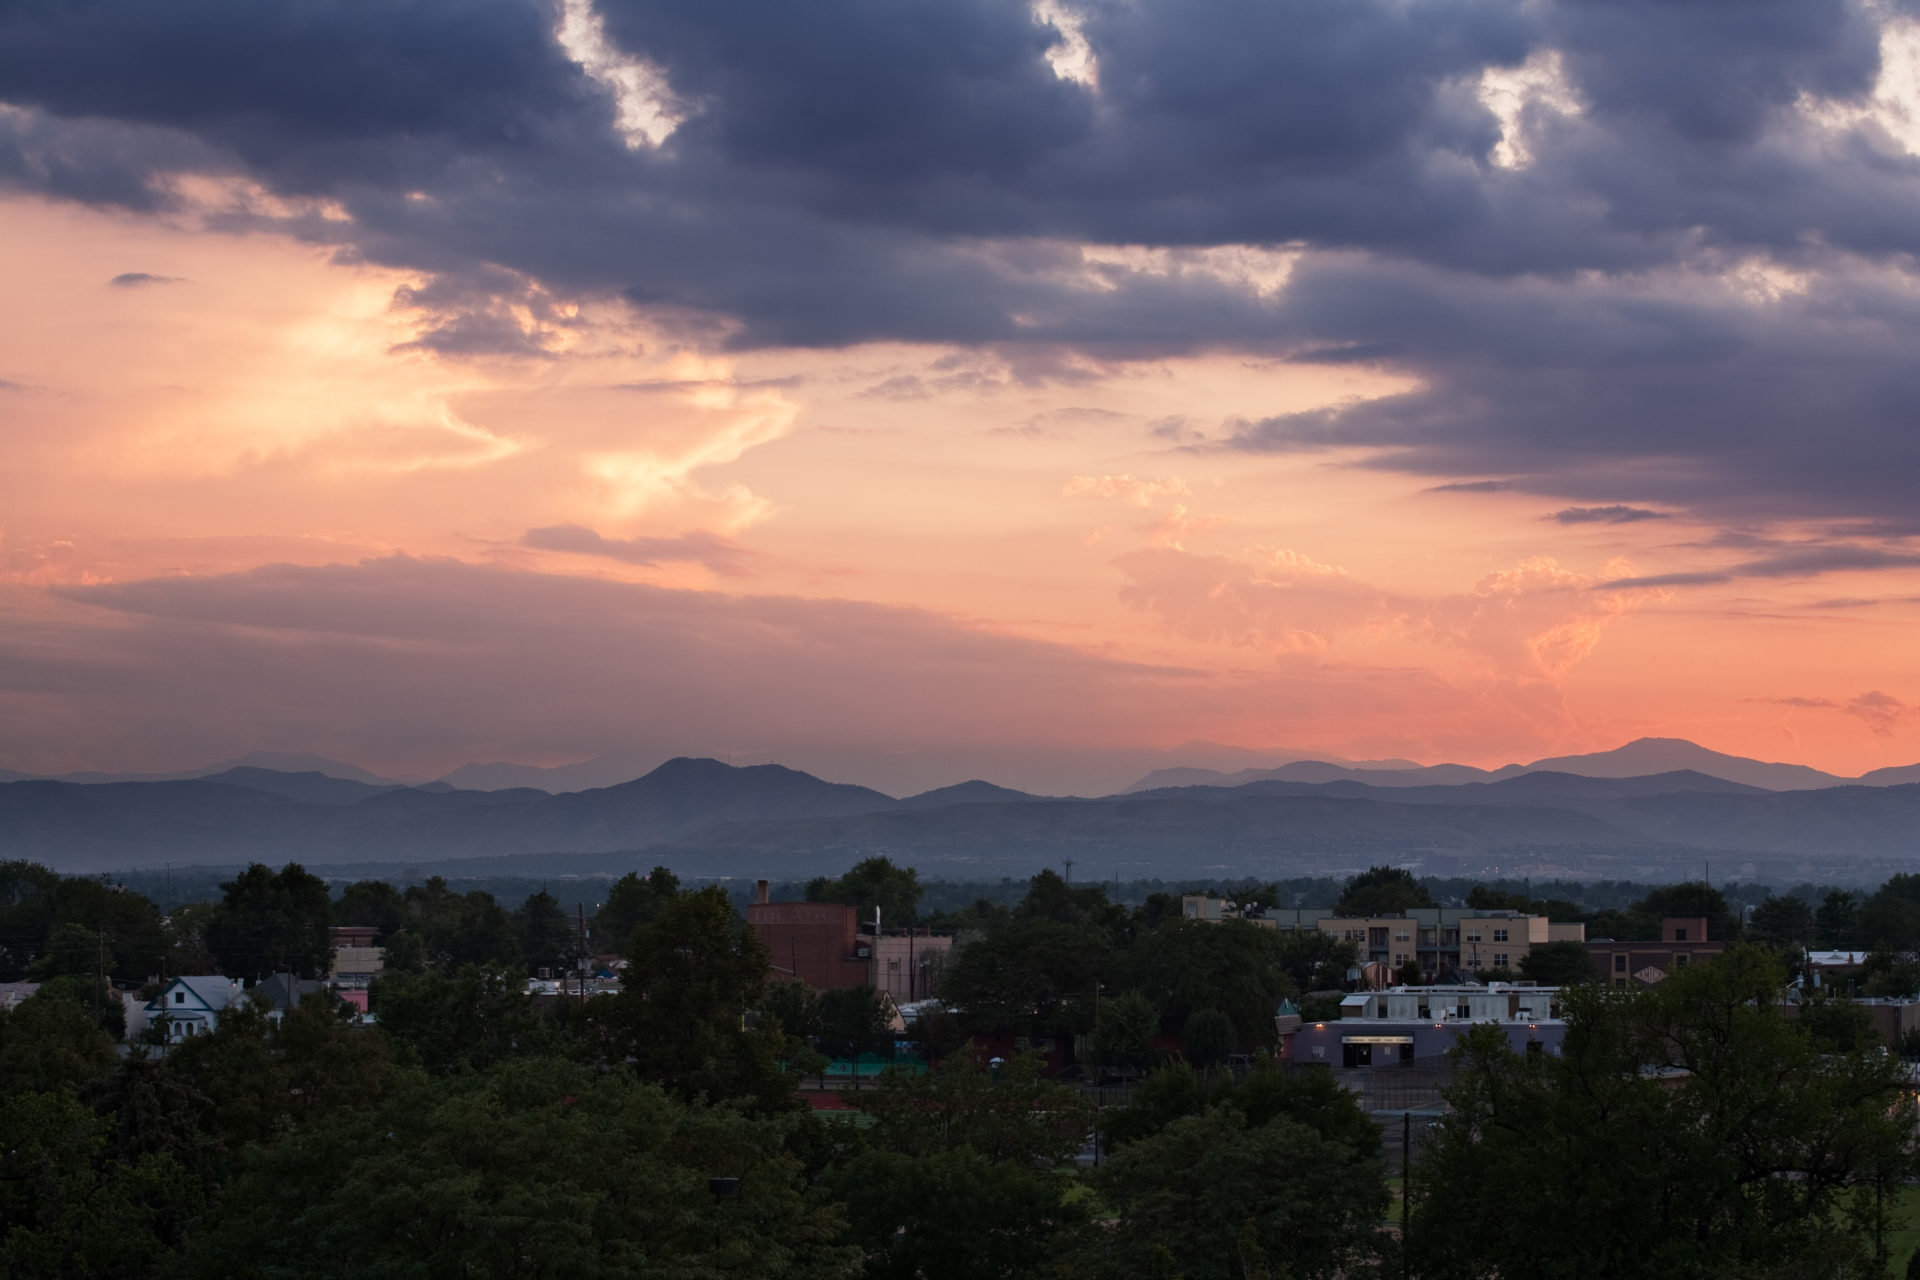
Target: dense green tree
[[1837, 1024], [1785, 921], [51, 1046], [680, 1018], [952, 1215], [187, 950], [1409, 974], [1050, 897], [1891, 914], [1314, 960], [1124, 1032], [459, 929], [1382, 891], [1310, 1097], [536, 1168], [548, 940], [938, 1031], [73, 948], [1691, 899], [1208, 1037], [1559, 964], [1210, 1197], [1482, 898], [1232, 966], [853, 1021], [372, 904], [26, 914], [870, 883], [1165, 1095], [1698, 1132], [631, 902], [1010, 1115], [101, 1002], [983, 916], [795, 1006], [272, 922], [1886, 972], [470, 1019], [128, 923], [92, 925], [1836, 922], [254, 1074], [69, 1207], [1036, 976]]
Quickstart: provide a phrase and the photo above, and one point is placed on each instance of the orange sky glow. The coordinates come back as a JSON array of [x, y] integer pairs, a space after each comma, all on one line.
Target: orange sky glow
[[1106, 571]]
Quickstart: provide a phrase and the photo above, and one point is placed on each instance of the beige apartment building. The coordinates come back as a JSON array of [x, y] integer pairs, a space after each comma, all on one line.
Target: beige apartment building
[[1441, 940]]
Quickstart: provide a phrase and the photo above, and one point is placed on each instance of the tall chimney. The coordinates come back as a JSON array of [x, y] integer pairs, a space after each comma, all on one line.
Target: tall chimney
[[760, 891]]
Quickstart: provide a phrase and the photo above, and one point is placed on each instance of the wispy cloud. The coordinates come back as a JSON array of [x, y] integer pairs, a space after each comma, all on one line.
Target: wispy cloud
[[1798, 562], [722, 555], [1606, 515]]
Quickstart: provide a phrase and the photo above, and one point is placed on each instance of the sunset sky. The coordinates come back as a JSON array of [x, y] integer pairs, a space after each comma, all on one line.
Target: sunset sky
[[959, 380]]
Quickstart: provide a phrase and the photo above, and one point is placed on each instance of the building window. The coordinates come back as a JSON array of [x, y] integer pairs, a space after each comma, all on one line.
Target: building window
[[1620, 962], [1473, 935], [1679, 935], [1499, 959], [1403, 936], [1499, 935], [179, 997], [1679, 960]]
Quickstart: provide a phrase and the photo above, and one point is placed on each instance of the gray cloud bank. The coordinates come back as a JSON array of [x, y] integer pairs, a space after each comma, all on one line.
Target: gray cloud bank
[[436, 661], [1588, 323]]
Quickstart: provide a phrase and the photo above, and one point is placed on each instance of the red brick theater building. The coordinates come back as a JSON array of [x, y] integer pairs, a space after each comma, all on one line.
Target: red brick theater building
[[1628, 964], [818, 943]]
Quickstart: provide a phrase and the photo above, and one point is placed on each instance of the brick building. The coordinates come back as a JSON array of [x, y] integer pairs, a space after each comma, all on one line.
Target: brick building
[[1446, 942], [818, 943], [1683, 941]]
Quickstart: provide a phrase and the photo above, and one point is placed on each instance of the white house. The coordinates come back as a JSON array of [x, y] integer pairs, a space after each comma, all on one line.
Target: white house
[[192, 1006]]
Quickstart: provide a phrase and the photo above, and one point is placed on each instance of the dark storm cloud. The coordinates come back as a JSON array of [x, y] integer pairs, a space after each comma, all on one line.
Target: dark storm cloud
[[1681, 391], [916, 171]]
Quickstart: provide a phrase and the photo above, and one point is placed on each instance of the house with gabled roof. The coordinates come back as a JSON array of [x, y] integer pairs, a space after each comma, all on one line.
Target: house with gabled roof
[[191, 1006], [283, 991]]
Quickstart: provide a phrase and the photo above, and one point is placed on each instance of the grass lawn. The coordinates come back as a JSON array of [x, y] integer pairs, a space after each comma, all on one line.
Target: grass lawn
[[1905, 1238]]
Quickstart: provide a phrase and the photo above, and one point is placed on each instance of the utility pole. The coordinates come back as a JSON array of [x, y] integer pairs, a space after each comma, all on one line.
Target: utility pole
[[1406, 1186], [1069, 873]]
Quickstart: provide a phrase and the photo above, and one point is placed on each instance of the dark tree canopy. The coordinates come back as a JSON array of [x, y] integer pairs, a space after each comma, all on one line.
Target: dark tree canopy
[[873, 882], [272, 922], [548, 939], [1208, 1037], [1559, 964], [632, 901], [1382, 891], [1746, 1161], [1784, 920]]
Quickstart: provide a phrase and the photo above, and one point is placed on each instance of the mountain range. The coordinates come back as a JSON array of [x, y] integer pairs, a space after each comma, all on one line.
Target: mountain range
[[707, 817], [1640, 758], [1202, 764]]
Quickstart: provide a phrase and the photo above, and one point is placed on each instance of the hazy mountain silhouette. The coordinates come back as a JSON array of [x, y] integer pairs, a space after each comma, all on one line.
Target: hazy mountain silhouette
[[1663, 755], [790, 822], [1642, 757], [291, 762]]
